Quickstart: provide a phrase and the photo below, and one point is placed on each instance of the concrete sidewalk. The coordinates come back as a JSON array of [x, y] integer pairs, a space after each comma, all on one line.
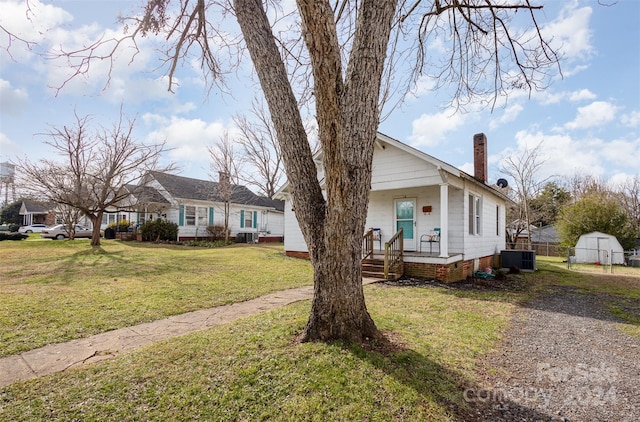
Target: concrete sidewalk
[[59, 357]]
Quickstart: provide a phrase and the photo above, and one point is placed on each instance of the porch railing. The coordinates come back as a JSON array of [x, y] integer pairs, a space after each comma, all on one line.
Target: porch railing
[[393, 252], [367, 244]]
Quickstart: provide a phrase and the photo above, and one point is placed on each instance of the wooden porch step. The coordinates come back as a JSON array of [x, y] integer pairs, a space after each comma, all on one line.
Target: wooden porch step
[[374, 268]]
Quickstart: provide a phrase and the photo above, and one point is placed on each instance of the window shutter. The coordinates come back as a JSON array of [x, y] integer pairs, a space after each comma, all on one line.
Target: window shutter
[[241, 218], [181, 218], [255, 219], [211, 216]]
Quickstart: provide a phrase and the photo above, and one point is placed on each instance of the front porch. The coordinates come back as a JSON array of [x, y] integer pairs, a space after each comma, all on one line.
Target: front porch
[[393, 261]]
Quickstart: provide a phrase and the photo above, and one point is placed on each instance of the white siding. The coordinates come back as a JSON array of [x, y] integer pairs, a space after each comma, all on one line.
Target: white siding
[[487, 242], [271, 219], [400, 174], [293, 239], [457, 218], [395, 169]]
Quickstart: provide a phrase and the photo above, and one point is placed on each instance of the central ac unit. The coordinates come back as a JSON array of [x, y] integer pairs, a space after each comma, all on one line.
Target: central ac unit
[[523, 259]]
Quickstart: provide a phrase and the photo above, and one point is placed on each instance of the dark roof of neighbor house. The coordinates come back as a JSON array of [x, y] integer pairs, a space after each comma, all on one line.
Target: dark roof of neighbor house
[[37, 207], [546, 234], [206, 190], [147, 194]]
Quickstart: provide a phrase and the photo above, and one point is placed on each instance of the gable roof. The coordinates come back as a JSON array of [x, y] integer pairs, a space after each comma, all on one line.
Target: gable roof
[[439, 164], [147, 194], [30, 206], [206, 190]]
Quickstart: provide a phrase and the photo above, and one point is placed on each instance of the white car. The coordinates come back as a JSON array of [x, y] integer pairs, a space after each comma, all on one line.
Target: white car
[[61, 232], [32, 228]]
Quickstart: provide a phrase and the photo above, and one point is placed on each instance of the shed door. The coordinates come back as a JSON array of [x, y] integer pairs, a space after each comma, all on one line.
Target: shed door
[[406, 219]]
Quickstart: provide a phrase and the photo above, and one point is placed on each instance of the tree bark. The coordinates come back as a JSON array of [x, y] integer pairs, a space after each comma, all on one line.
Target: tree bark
[[347, 114], [96, 221]]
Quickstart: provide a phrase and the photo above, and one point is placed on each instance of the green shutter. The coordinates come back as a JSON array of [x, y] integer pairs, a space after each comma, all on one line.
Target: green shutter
[[241, 218], [211, 216], [255, 219], [181, 218]]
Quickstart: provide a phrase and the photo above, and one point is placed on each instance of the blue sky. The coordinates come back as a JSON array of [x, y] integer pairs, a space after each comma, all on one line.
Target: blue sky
[[588, 121]]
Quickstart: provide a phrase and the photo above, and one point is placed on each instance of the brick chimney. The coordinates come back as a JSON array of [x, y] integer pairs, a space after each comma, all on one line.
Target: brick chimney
[[480, 157]]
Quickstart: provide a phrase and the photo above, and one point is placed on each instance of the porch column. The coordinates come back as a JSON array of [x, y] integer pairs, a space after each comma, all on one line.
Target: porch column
[[444, 220]]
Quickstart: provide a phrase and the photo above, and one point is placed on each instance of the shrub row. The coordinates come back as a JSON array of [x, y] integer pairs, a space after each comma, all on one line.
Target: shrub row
[[159, 230], [12, 236]]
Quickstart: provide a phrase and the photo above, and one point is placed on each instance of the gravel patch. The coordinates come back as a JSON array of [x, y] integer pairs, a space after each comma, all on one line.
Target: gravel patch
[[563, 359]]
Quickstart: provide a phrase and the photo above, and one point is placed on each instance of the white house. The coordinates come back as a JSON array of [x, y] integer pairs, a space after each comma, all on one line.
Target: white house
[[425, 196], [599, 247], [195, 204]]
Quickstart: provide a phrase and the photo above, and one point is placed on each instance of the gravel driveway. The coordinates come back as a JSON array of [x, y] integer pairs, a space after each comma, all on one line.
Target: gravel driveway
[[564, 358]]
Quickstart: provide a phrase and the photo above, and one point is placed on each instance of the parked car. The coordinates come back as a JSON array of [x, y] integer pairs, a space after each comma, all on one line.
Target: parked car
[[61, 232], [32, 228]]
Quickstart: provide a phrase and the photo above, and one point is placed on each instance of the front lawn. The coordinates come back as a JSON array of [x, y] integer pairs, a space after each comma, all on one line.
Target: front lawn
[[55, 291], [254, 369]]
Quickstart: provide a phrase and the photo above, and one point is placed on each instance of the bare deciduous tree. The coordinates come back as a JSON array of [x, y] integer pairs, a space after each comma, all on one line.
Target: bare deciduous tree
[[342, 57], [629, 194], [524, 170], [99, 168], [261, 151], [70, 216], [225, 165]]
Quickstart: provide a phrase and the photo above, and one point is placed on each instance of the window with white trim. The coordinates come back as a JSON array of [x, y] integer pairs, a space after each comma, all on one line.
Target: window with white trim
[[196, 216], [189, 215], [475, 213], [248, 218], [203, 217]]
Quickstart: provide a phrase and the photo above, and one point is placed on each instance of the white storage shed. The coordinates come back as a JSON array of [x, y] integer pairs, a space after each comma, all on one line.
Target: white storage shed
[[597, 247]]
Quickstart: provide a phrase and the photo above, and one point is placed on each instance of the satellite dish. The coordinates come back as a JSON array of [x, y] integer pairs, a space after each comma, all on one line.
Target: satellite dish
[[502, 183]]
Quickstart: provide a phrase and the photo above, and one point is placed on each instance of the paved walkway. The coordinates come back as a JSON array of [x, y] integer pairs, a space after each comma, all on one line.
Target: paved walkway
[[59, 357]]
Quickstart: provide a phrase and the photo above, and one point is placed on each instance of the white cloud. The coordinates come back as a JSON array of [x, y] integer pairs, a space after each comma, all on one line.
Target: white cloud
[[431, 129], [8, 148], [561, 155], [187, 139], [631, 119], [583, 94], [569, 34], [548, 97], [30, 21], [12, 100], [509, 115], [564, 155], [622, 153], [595, 114]]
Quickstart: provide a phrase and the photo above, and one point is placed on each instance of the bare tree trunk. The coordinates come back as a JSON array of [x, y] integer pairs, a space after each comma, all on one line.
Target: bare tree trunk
[[347, 111], [96, 221]]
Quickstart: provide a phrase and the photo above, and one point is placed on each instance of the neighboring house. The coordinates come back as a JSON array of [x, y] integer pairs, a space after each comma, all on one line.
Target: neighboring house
[[545, 241], [145, 203], [421, 194], [599, 247], [37, 212], [195, 204]]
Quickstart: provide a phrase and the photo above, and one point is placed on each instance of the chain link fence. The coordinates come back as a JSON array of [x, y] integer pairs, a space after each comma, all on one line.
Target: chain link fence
[[607, 259]]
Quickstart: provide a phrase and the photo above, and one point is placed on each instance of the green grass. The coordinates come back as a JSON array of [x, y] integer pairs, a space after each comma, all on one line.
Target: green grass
[[254, 370], [54, 291]]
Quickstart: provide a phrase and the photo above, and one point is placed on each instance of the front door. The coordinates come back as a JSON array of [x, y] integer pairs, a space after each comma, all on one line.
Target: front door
[[406, 218]]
